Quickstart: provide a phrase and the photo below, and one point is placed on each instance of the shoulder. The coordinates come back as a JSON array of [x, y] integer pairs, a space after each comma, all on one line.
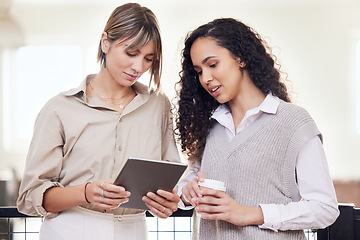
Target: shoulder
[[290, 115], [159, 98], [160, 95], [152, 95], [299, 119], [59, 106], [59, 101], [52, 104], [292, 110], [291, 107]]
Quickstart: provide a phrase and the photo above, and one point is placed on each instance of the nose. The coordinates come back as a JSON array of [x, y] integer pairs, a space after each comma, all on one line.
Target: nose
[[206, 77], [137, 65]]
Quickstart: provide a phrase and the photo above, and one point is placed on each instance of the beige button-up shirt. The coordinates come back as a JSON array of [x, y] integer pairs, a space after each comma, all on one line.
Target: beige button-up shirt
[[78, 139]]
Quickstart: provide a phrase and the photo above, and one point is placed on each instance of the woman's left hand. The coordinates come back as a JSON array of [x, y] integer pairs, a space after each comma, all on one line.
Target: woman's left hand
[[220, 206], [163, 203]]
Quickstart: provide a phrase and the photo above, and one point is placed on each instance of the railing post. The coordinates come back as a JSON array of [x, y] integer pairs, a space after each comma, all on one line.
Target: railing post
[[323, 234], [357, 223], [343, 228]]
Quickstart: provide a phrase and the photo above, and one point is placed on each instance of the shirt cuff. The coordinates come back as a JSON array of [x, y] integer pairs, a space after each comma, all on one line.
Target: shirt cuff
[[271, 218], [39, 200], [182, 206]]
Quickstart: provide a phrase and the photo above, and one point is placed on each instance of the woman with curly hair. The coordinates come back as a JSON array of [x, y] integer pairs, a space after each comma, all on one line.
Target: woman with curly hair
[[236, 124]]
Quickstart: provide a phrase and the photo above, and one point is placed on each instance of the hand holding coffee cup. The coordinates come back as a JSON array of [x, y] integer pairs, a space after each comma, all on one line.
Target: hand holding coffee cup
[[211, 184]]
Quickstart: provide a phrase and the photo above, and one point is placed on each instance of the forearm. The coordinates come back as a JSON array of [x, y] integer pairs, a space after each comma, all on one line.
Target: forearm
[[255, 216], [57, 199], [246, 216]]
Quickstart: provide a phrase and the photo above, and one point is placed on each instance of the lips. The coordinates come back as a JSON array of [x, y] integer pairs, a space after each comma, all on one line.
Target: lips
[[131, 77], [214, 90]]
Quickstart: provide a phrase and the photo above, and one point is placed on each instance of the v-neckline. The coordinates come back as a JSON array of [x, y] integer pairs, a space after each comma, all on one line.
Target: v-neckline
[[241, 137]]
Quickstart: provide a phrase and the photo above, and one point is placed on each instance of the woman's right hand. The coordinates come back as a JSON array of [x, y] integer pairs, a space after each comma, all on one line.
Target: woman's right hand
[[105, 195], [191, 190]]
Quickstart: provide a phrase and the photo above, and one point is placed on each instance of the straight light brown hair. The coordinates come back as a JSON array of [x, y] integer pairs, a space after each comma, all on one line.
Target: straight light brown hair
[[132, 21]]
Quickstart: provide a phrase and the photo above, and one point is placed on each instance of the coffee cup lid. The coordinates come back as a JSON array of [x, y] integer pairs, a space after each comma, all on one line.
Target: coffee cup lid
[[214, 184]]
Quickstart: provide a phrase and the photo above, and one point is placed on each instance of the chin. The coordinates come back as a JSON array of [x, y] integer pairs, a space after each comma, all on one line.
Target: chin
[[221, 100]]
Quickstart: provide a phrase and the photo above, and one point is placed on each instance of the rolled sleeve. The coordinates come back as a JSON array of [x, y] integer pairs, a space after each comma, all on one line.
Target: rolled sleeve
[[36, 199], [43, 165]]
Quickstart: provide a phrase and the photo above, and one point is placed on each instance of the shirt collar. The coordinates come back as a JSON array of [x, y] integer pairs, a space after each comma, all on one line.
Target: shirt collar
[[269, 105], [139, 88]]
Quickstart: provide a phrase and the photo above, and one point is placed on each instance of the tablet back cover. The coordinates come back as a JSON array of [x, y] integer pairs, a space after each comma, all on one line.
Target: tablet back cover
[[140, 176]]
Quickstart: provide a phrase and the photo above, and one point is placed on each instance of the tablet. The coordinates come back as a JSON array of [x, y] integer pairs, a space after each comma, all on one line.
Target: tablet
[[140, 176]]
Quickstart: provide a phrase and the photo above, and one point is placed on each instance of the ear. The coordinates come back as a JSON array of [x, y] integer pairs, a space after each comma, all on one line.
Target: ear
[[105, 44], [240, 62]]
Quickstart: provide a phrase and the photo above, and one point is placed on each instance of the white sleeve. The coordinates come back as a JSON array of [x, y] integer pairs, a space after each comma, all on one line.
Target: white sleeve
[[318, 207], [190, 173]]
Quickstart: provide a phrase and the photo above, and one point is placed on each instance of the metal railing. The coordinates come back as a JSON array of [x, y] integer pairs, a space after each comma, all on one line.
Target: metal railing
[[17, 226], [346, 226]]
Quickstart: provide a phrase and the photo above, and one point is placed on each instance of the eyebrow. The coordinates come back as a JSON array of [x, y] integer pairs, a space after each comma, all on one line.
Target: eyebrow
[[205, 60]]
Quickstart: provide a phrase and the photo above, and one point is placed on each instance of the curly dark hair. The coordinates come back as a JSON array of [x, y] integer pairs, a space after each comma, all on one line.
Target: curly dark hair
[[195, 104]]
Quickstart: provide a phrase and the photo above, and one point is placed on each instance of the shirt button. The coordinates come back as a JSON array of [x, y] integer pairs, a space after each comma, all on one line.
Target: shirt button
[[120, 148], [120, 120]]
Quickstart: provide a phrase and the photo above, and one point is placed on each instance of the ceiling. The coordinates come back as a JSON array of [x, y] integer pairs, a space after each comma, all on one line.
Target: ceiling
[[117, 2]]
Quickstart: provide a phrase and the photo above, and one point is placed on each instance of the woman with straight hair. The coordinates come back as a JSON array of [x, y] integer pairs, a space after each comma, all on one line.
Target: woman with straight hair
[[83, 137], [236, 124]]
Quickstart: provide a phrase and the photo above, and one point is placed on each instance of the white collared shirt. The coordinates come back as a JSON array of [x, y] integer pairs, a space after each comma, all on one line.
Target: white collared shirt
[[312, 173]]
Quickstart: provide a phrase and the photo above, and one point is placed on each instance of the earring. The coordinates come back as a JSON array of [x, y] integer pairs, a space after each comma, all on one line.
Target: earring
[[104, 60]]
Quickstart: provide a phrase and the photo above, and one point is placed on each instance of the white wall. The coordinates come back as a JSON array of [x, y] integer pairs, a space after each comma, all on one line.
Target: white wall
[[314, 40]]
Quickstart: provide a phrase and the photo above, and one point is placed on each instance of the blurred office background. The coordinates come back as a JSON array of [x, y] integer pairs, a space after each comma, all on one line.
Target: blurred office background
[[48, 46]]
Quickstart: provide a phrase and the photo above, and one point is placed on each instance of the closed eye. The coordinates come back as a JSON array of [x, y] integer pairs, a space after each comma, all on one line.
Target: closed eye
[[213, 65], [130, 54], [149, 59]]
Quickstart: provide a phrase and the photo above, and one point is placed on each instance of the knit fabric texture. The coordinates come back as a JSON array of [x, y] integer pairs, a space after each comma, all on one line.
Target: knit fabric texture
[[258, 167]]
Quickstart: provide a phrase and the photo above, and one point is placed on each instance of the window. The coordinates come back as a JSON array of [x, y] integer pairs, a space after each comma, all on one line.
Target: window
[[357, 64], [32, 75]]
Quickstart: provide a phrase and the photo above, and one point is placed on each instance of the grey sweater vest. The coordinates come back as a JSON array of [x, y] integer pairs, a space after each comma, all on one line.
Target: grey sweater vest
[[257, 166]]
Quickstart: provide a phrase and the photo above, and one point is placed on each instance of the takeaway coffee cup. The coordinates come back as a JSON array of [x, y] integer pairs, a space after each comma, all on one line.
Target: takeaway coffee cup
[[211, 184]]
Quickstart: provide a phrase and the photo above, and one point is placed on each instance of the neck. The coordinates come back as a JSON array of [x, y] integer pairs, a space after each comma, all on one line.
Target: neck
[[248, 98], [107, 87]]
